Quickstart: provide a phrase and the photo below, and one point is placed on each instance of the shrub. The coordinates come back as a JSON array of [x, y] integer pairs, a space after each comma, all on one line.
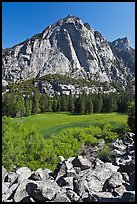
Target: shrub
[[21, 145], [104, 152]]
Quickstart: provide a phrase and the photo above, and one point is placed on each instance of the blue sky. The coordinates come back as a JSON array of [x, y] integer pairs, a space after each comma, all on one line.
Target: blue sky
[[21, 20]]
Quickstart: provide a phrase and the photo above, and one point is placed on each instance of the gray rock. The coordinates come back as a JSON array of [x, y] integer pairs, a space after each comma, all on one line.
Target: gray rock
[[9, 193], [72, 195], [22, 170], [80, 185], [21, 194], [115, 180], [4, 188], [127, 166], [12, 178], [71, 172], [125, 176], [39, 174], [4, 174], [119, 145], [42, 190], [61, 197], [81, 162], [24, 175], [112, 167], [118, 191], [70, 48]]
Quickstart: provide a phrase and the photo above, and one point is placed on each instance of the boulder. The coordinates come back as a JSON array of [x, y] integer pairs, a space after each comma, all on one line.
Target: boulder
[[115, 180], [12, 178], [128, 166], [21, 194], [42, 190], [125, 176], [81, 162], [119, 145], [23, 173], [80, 185], [118, 191], [61, 197], [38, 175], [21, 170], [72, 195]]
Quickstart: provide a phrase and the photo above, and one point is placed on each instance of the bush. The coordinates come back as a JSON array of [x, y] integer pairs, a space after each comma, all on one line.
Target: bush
[[21, 145], [104, 152]]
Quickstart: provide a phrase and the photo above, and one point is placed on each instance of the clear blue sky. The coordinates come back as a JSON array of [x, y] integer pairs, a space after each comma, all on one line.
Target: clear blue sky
[[21, 20]]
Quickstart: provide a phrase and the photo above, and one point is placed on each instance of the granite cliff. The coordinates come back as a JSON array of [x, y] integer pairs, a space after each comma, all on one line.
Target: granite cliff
[[72, 48]]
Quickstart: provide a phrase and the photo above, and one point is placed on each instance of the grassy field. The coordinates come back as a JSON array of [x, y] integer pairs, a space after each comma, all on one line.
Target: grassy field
[[52, 123]]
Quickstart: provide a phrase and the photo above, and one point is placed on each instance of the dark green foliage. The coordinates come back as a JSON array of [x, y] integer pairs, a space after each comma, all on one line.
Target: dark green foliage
[[35, 102], [109, 103], [63, 103], [28, 106], [131, 116], [82, 104], [71, 103], [97, 103], [43, 103], [89, 105], [19, 106]]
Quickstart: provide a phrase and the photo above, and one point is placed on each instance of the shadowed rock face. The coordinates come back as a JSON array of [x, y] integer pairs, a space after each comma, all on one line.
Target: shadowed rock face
[[71, 48]]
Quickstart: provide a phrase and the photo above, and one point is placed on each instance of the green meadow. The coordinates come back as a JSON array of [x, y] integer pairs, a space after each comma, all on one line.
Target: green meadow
[[52, 123]]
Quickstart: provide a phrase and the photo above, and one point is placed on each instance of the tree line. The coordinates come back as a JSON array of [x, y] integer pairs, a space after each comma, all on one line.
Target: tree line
[[18, 105]]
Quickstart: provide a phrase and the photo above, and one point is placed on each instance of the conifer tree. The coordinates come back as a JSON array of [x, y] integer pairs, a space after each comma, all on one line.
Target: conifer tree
[[35, 102]]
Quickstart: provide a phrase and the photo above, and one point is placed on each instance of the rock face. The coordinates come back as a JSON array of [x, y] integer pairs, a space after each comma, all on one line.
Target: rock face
[[75, 179], [71, 48]]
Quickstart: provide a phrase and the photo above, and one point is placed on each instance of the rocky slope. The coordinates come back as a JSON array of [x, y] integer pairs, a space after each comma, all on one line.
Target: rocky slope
[[71, 48], [77, 179]]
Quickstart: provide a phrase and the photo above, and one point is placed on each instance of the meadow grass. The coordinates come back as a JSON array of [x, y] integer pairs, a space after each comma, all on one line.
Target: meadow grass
[[52, 123]]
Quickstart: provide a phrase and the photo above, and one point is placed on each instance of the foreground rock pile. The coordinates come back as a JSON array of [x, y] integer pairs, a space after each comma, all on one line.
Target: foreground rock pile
[[77, 179]]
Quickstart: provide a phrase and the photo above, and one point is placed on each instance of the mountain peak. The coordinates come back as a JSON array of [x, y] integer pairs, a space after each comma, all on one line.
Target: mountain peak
[[70, 48], [121, 43]]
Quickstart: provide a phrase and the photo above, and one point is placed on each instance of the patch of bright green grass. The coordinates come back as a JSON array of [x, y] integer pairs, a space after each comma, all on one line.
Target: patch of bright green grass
[[52, 123]]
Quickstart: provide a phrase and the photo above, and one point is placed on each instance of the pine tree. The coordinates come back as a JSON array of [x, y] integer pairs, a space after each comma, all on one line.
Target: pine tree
[[55, 104], [89, 105], [71, 103], [28, 106], [58, 104], [82, 104], [63, 103], [43, 103], [35, 102], [97, 103], [19, 106]]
